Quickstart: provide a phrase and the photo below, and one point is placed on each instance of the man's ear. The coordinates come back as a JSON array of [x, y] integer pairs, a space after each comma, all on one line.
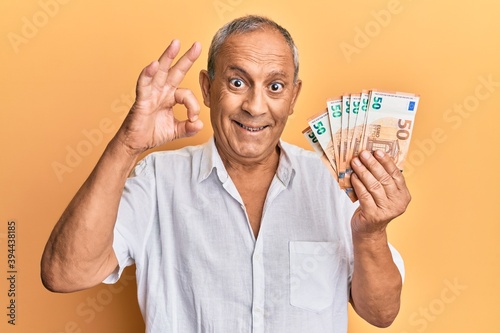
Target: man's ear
[[296, 91], [205, 83]]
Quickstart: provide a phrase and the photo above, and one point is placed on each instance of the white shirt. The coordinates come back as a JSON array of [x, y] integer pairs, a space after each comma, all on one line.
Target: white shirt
[[199, 267]]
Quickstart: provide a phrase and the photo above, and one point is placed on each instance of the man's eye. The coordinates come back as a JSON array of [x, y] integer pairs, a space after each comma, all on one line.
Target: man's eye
[[237, 83], [276, 87]]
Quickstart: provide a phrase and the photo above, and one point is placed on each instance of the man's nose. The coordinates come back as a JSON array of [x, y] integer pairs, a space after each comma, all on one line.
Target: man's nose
[[255, 102]]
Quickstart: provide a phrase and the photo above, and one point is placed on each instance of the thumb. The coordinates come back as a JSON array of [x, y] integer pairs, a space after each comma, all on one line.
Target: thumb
[[188, 128]]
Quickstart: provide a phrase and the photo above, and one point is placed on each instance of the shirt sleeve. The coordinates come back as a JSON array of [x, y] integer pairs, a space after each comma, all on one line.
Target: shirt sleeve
[[350, 208], [398, 260], [135, 213]]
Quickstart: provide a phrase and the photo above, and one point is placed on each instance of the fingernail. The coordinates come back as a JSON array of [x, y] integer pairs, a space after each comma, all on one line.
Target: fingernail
[[356, 161], [365, 154], [379, 153], [174, 41]]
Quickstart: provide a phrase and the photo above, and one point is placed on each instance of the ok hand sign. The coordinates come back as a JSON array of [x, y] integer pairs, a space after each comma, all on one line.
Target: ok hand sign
[[151, 122]]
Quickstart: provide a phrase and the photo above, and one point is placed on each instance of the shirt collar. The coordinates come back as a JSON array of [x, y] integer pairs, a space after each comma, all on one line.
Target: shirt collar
[[285, 171], [211, 160]]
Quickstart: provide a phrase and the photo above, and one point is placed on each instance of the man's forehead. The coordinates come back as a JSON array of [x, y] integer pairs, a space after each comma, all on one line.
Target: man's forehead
[[265, 46]]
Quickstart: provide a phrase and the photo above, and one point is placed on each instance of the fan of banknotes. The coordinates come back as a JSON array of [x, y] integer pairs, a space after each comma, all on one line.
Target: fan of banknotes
[[370, 120]]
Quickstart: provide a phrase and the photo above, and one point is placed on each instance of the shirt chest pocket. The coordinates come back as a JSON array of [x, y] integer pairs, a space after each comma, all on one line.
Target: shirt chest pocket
[[318, 274]]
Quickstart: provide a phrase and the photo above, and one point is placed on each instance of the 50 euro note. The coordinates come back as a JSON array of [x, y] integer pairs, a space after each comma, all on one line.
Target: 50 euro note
[[356, 130], [346, 114], [334, 107], [313, 141], [355, 101], [389, 124], [319, 135], [320, 126]]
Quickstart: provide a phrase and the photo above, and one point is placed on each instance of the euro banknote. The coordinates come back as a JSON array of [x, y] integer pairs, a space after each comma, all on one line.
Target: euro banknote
[[370, 120], [320, 125], [313, 141]]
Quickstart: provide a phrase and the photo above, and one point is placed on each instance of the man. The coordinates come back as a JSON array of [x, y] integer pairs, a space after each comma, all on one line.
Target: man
[[245, 233]]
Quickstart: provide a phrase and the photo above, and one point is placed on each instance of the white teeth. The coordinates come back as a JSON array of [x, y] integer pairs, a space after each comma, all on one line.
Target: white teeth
[[251, 129]]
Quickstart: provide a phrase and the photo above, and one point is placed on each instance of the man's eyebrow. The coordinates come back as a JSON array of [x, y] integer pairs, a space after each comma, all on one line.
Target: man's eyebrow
[[274, 73], [238, 69], [278, 73]]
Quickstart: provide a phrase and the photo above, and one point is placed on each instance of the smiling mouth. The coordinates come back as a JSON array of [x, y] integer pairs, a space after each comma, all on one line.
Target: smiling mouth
[[251, 129]]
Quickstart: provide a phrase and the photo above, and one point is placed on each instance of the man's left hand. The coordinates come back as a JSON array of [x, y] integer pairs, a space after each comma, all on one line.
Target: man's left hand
[[381, 190]]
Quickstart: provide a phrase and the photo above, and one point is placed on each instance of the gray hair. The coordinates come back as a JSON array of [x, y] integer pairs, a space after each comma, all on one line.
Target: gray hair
[[247, 24]]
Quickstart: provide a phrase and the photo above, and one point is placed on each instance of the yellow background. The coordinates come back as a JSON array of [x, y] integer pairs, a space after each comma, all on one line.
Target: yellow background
[[69, 68]]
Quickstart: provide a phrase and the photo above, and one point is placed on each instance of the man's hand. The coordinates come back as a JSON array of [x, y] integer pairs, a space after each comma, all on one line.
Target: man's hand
[[381, 190], [383, 195], [151, 122]]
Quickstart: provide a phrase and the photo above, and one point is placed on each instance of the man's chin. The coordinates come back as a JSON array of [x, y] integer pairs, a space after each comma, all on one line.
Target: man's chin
[[247, 152]]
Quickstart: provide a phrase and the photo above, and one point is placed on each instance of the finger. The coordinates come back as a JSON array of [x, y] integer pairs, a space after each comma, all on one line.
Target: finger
[[373, 174], [364, 197], [165, 61], [178, 71], [367, 187], [187, 128], [188, 99], [147, 74], [398, 191], [391, 168]]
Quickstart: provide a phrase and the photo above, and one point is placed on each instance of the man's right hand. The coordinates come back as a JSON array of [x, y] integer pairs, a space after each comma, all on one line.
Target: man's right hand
[[151, 122]]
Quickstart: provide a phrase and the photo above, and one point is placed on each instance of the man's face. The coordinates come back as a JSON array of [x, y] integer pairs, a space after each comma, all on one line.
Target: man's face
[[251, 95]]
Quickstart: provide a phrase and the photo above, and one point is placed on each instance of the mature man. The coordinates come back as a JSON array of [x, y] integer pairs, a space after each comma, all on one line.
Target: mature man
[[245, 233]]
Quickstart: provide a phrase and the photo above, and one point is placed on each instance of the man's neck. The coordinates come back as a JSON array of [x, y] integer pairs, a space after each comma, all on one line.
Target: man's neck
[[252, 180], [248, 167]]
